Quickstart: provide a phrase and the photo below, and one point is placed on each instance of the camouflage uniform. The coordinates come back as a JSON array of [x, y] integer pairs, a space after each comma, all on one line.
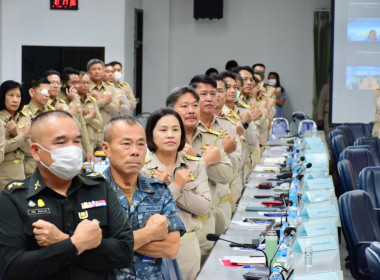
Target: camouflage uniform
[[193, 201], [151, 197]]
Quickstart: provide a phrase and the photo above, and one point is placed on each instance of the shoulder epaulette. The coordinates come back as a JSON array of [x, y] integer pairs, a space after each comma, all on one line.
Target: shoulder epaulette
[[94, 175], [109, 83], [92, 98], [25, 114], [14, 185], [189, 157]]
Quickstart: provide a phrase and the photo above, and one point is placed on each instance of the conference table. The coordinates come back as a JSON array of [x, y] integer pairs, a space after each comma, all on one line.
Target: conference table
[[325, 263]]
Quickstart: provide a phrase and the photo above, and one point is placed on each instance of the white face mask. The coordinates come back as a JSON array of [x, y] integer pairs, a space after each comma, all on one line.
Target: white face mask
[[272, 82], [237, 95], [118, 76], [67, 161]]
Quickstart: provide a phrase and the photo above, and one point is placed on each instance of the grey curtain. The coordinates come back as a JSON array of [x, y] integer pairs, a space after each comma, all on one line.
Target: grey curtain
[[322, 53]]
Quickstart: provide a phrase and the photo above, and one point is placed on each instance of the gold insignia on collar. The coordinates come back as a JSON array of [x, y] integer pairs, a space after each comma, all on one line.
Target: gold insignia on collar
[[95, 174], [16, 184], [189, 157], [147, 159], [222, 129], [36, 185]]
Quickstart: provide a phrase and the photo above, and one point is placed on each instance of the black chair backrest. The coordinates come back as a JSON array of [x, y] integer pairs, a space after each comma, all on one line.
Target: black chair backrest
[[348, 133], [346, 176], [369, 181], [359, 223], [338, 145]]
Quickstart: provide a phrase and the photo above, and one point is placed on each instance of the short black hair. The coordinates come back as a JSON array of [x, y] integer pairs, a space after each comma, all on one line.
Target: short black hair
[[113, 63], [240, 68], [152, 122], [258, 64], [51, 72], [219, 78], [67, 72], [7, 86], [231, 64], [202, 78], [226, 74], [211, 70], [177, 92], [36, 82]]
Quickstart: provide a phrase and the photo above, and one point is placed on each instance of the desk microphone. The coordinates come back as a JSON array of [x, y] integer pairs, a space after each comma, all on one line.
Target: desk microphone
[[214, 237], [263, 272]]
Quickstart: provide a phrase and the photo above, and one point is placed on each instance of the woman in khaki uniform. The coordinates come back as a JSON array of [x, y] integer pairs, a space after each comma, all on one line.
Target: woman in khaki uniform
[[91, 113], [186, 178], [17, 131]]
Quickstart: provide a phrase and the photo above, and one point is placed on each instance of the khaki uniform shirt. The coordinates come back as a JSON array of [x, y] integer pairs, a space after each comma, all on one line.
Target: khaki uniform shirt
[[15, 147], [94, 125], [222, 172], [129, 93], [57, 101], [221, 127], [376, 101], [195, 199], [125, 106], [106, 109]]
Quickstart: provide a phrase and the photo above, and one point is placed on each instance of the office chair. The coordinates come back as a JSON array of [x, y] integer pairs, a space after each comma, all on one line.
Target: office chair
[[370, 148], [360, 228], [359, 159], [358, 129], [346, 176], [369, 181], [297, 117], [348, 133], [306, 125], [333, 133], [372, 254], [338, 144], [374, 142], [280, 127]]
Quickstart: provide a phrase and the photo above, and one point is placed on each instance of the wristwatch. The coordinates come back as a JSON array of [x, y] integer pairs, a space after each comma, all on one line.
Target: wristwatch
[[245, 125]]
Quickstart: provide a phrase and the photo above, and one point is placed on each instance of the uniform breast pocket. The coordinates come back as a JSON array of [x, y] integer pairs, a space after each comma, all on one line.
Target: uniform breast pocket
[[99, 213], [145, 211]]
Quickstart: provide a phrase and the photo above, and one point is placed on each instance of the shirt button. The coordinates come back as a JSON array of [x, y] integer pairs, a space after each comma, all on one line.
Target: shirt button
[[67, 199], [69, 225]]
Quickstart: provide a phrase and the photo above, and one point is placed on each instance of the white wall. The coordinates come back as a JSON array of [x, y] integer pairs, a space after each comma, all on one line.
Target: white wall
[[97, 23], [278, 33]]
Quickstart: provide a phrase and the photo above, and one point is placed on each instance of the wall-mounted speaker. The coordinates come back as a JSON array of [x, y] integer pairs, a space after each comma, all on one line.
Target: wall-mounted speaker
[[208, 9]]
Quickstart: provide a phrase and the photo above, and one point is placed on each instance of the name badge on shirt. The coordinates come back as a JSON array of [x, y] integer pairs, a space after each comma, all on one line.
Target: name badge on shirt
[[38, 211], [149, 208]]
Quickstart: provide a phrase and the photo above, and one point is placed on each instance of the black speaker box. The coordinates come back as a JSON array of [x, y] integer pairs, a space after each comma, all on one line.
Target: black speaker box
[[208, 9]]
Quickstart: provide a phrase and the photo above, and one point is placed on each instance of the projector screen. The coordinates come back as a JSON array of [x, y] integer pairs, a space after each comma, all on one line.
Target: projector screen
[[356, 60]]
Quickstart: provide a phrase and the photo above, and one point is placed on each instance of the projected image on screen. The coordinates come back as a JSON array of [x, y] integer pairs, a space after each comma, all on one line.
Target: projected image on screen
[[363, 30], [363, 77]]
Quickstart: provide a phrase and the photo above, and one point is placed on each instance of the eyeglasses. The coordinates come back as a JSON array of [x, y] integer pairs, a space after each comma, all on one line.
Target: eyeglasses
[[56, 83]]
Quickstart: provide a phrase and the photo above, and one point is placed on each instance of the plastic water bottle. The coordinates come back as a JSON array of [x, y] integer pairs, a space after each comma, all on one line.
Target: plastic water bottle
[[293, 196], [283, 248], [314, 131], [289, 160], [275, 275], [308, 254], [293, 216]]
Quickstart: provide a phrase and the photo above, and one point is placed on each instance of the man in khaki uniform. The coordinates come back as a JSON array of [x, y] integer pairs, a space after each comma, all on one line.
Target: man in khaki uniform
[[109, 78], [105, 95], [203, 143], [117, 66], [91, 113], [39, 94], [242, 119], [247, 103], [61, 101], [206, 88]]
